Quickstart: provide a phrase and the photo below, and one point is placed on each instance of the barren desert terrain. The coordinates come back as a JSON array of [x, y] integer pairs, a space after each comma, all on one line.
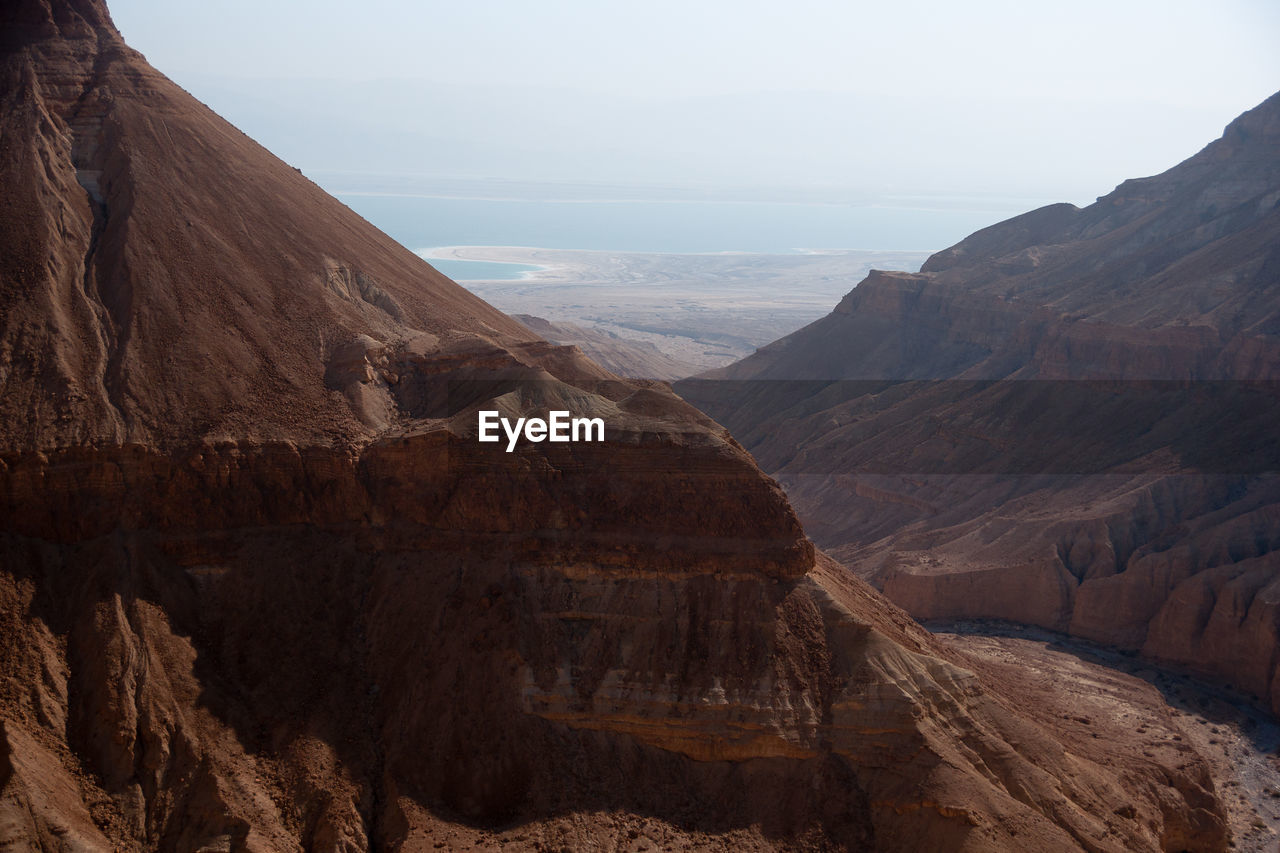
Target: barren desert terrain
[[705, 310]]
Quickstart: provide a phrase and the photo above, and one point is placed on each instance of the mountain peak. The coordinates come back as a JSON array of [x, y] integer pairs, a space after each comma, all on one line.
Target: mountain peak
[[1260, 124], [23, 22], [145, 239]]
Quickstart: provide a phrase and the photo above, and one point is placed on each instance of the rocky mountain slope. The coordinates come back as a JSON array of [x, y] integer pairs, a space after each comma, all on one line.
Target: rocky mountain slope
[[1067, 419], [262, 589]]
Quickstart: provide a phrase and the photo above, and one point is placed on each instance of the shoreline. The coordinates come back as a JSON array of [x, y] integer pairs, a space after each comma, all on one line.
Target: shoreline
[[597, 265], [705, 310], [457, 252]]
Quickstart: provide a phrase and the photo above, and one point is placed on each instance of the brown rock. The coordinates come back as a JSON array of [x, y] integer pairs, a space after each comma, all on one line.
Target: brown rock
[[1067, 419]]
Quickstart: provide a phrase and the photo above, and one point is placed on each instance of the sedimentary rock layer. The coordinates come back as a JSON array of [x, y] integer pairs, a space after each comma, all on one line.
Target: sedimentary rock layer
[[1066, 419]]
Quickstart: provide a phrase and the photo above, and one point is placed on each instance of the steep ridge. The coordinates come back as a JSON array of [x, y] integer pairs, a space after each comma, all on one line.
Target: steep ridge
[[135, 220], [262, 589], [1067, 419]]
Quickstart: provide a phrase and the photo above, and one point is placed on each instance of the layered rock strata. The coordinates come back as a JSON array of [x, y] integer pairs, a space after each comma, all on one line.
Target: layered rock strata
[[1067, 419]]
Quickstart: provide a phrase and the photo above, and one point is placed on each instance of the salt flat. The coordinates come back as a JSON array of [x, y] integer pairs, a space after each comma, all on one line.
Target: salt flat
[[705, 310]]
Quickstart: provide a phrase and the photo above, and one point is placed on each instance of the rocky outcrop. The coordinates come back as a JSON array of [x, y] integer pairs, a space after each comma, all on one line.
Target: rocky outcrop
[[496, 663], [505, 668], [1063, 420]]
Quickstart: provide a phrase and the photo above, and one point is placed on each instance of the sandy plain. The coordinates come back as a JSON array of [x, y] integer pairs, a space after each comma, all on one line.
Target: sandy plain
[[706, 310]]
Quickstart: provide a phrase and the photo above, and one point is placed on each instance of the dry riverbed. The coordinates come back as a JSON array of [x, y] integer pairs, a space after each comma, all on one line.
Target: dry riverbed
[[1095, 695]]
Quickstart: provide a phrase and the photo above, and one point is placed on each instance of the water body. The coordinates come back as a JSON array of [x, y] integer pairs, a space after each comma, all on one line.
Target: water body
[[460, 270], [679, 226]]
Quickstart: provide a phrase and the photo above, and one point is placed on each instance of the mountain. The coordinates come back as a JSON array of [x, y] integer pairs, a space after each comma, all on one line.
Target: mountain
[[1066, 419], [262, 588]]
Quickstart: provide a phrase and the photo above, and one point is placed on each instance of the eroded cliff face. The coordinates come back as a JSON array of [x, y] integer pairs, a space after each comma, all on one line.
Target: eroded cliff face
[[262, 589], [1063, 420], [356, 667]]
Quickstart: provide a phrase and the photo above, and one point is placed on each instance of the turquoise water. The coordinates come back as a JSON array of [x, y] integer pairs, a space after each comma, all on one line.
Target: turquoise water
[[675, 226], [460, 270]]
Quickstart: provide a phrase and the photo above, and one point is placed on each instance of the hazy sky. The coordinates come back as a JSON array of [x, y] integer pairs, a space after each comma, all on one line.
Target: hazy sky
[[1005, 96]]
